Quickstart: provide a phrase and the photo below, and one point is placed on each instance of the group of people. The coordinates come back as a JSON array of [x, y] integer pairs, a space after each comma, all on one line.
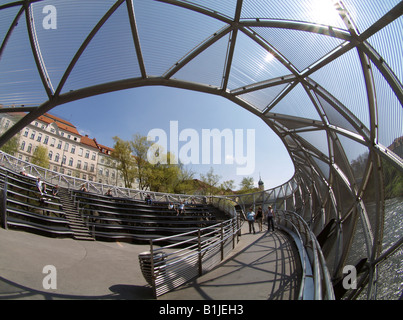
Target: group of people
[[180, 209], [258, 217]]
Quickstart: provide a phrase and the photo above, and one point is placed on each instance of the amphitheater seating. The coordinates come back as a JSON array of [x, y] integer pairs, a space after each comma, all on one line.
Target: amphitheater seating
[[104, 218], [27, 209], [133, 220]]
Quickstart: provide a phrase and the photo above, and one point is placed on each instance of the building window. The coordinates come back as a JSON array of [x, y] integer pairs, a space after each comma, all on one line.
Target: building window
[[80, 152], [94, 156], [29, 148], [39, 137], [57, 157], [46, 140], [85, 166], [52, 144], [59, 145], [64, 159], [66, 147], [73, 149], [87, 154], [92, 168], [79, 164], [26, 132], [22, 146], [33, 134], [50, 155], [71, 162]]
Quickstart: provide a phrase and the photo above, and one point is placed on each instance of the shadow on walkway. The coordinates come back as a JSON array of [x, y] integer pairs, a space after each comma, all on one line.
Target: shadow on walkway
[[268, 268]]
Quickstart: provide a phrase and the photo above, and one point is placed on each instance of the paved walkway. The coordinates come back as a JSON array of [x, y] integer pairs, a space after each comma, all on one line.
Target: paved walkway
[[263, 266]]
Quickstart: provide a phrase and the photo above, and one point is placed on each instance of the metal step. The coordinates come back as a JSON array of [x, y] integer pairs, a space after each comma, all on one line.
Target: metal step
[[76, 223]]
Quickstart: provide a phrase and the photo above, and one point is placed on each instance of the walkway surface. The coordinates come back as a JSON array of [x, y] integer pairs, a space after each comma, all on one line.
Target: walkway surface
[[262, 266]]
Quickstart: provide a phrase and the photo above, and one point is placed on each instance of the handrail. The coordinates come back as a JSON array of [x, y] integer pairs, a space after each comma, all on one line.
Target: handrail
[[189, 255], [321, 275]]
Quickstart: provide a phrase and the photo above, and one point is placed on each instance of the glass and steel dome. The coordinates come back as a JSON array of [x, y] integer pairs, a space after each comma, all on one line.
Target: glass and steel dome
[[325, 75]]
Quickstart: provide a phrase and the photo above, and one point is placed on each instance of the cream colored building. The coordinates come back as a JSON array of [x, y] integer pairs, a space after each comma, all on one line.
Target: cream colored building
[[69, 152]]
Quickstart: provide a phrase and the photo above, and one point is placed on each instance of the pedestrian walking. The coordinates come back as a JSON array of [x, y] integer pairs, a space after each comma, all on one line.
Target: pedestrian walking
[[251, 220], [270, 217]]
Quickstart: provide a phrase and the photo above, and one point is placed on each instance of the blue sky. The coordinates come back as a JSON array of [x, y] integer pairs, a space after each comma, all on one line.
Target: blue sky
[[140, 110]]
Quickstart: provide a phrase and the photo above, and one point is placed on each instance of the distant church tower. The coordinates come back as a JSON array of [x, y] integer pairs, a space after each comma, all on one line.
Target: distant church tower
[[261, 184]]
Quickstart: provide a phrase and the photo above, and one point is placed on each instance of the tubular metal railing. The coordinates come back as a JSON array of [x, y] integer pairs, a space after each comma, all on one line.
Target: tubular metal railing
[[189, 255], [316, 283]]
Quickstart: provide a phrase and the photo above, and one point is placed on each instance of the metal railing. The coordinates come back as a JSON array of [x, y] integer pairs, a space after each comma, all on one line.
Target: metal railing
[[316, 283], [71, 182], [189, 255]]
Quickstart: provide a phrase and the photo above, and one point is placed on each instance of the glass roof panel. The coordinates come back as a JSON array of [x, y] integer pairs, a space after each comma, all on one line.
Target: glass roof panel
[[334, 117], [390, 111], [252, 63], [324, 167], [262, 98], [20, 82], [167, 33], [318, 139], [388, 43], [297, 103], [208, 66], [58, 46], [365, 12], [6, 18], [311, 46], [225, 7], [346, 83], [357, 155], [110, 56], [314, 11]]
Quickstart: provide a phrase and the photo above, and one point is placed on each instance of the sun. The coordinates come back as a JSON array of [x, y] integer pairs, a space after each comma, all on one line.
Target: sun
[[268, 57], [325, 12]]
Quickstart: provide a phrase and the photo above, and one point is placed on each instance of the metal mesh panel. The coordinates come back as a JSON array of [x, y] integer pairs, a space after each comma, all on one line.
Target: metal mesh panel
[[20, 82], [109, 57]]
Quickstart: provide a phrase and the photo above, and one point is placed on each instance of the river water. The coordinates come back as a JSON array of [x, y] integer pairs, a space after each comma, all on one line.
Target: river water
[[390, 273]]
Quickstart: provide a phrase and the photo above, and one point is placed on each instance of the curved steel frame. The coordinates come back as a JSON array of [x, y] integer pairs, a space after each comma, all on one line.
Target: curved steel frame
[[322, 193]]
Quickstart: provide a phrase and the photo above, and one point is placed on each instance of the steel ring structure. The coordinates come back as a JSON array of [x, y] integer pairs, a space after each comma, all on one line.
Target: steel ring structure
[[325, 75]]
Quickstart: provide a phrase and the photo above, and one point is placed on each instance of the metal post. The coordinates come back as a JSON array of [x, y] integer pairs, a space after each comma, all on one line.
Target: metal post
[[4, 205], [222, 241], [233, 232], [200, 255], [152, 269]]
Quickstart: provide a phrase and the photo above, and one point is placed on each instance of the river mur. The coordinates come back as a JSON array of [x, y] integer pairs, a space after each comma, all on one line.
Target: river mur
[[390, 273]]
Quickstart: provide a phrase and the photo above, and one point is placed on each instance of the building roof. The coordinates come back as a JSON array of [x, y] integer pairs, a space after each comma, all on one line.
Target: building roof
[[62, 124], [88, 142]]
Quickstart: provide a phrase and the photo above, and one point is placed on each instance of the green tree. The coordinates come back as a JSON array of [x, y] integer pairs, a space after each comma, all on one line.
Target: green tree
[[125, 161], [40, 157], [140, 147], [228, 186], [211, 181], [11, 146], [246, 185]]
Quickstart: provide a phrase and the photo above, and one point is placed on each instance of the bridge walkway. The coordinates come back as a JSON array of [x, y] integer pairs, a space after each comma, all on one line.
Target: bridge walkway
[[262, 266]]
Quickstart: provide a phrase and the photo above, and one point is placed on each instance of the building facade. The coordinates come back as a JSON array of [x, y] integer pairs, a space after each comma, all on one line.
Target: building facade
[[69, 152]]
